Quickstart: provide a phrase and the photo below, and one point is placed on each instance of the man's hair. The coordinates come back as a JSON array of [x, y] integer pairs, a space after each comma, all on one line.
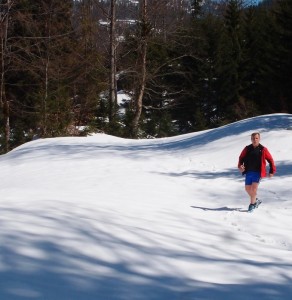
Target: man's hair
[[255, 133]]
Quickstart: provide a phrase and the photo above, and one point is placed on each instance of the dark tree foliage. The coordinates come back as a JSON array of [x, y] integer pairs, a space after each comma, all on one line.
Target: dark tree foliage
[[208, 63], [283, 55], [37, 75], [228, 63]]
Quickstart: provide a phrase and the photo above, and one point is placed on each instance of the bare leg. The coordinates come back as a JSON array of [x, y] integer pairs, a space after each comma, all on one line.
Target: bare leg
[[252, 191]]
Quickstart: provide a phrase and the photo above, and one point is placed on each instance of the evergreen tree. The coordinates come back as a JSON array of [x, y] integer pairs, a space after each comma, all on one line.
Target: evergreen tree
[[212, 32], [228, 63], [283, 55], [253, 62]]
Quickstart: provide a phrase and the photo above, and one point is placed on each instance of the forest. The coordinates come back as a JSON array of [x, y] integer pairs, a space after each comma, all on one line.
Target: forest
[[184, 65]]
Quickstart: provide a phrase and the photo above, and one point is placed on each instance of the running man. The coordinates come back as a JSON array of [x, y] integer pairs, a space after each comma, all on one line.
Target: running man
[[252, 164]]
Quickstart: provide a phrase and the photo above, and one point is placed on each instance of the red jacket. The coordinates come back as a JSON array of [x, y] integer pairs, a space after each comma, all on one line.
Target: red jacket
[[266, 156]]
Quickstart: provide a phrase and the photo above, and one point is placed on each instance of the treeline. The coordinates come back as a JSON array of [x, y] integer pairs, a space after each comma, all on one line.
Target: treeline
[[186, 66]]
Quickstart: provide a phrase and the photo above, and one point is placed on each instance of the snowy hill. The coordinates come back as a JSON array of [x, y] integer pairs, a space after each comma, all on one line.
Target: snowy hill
[[102, 217]]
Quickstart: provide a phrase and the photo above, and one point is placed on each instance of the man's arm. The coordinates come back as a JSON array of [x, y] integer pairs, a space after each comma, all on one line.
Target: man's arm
[[240, 164], [271, 162]]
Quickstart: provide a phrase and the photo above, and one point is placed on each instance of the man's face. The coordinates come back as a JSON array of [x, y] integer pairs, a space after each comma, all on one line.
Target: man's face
[[255, 139]]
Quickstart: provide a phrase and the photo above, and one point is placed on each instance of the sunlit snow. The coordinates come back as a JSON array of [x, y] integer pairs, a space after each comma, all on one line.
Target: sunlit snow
[[100, 217]]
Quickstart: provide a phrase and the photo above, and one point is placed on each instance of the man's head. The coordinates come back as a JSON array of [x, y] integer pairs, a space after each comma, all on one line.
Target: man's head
[[255, 138]]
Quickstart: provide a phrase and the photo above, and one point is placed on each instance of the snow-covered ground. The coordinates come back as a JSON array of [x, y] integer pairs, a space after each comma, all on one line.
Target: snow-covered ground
[[105, 218]]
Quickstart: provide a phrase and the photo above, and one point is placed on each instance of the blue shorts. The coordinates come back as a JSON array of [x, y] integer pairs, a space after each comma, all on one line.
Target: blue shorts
[[251, 177]]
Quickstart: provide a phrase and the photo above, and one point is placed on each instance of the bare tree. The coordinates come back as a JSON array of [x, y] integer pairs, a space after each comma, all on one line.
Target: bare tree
[[142, 60], [113, 65], [4, 56], [49, 51]]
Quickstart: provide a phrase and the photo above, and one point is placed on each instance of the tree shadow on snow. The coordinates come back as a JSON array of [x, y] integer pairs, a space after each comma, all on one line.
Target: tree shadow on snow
[[283, 169], [67, 254], [228, 173]]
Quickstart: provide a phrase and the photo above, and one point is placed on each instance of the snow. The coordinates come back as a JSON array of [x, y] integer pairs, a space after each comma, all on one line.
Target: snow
[[101, 217], [122, 99]]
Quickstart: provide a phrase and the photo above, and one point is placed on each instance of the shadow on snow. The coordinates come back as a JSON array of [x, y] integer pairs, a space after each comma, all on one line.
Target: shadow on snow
[[134, 148], [47, 263], [224, 208], [283, 169]]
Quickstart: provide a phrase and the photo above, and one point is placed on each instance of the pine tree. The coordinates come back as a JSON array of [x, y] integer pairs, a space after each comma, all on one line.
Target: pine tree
[[228, 63], [283, 15]]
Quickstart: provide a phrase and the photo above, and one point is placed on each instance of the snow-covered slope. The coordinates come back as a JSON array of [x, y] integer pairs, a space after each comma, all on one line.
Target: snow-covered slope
[[109, 218]]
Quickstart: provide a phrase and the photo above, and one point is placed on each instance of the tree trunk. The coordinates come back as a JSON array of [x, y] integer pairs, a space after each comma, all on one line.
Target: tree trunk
[[113, 67], [143, 58], [139, 99], [4, 102]]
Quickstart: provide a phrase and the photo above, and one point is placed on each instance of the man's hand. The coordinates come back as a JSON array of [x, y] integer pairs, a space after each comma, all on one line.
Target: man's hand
[[241, 168]]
